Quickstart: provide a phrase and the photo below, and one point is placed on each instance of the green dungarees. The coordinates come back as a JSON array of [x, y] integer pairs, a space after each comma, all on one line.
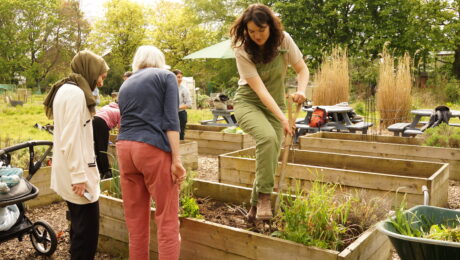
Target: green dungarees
[[255, 119]]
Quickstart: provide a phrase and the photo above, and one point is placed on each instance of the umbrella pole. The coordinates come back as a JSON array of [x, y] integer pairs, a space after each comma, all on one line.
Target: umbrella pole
[[288, 142]]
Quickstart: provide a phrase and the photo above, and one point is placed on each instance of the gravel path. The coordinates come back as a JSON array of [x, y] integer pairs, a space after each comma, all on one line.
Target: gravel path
[[55, 215]]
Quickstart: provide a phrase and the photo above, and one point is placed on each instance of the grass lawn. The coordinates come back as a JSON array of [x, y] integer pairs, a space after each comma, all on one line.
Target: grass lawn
[[17, 123]]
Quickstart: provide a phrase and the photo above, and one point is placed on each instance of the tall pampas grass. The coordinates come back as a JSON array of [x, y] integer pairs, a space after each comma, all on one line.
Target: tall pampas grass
[[332, 80], [393, 89]]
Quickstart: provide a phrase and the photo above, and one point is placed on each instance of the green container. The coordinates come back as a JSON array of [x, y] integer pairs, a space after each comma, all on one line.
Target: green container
[[415, 248]]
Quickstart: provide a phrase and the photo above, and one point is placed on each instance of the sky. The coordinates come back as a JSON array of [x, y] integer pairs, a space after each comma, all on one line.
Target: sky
[[93, 9]]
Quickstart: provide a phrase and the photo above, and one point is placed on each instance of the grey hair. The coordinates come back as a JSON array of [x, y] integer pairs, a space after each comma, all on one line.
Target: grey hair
[[148, 56]]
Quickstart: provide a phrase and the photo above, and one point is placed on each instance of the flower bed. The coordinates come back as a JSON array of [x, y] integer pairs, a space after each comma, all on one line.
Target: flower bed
[[211, 139], [202, 239], [383, 146], [378, 176]]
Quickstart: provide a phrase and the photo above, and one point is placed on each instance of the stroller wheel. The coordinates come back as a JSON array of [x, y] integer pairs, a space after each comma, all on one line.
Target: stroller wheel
[[43, 238]]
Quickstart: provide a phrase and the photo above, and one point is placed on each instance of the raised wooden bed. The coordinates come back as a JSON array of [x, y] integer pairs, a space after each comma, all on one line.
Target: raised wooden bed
[[206, 240], [188, 152], [211, 140], [42, 180], [383, 146], [378, 176]]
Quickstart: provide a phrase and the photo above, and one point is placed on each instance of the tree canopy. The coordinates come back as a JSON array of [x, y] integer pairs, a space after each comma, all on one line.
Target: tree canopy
[[38, 38]]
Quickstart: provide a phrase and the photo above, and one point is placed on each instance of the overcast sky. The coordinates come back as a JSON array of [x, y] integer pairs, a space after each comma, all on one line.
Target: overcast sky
[[93, 9]]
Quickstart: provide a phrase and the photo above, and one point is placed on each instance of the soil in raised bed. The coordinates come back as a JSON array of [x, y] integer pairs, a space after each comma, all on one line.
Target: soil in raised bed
[[235, 216]]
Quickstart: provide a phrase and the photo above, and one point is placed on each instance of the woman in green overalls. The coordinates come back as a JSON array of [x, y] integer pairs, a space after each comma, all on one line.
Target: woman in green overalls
[[263, 51]]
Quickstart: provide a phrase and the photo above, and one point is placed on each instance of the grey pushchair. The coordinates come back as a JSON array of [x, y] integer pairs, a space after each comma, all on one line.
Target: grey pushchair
[[41, 234]]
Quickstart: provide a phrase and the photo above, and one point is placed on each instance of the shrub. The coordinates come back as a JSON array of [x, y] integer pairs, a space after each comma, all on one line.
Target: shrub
[[442, 136], [452, 92], [360, 108], [202, 101]]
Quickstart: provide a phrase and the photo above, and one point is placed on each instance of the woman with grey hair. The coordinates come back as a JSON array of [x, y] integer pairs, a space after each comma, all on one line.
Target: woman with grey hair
[[148, 154]]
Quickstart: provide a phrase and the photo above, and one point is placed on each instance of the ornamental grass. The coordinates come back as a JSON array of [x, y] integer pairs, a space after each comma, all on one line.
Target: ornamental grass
[[332, 81], [394, 89]]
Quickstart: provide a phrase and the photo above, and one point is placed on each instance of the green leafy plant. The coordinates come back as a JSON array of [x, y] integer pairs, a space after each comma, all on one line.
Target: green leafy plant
[[318, 219], [404, 224], [233, 130], [202, 101], [410, 224], [442, 136], [443, 232], [115, 185], [189, 207], [452, 92]]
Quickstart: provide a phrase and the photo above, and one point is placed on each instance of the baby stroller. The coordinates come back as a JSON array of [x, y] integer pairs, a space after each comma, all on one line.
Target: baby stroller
[[41, 234]]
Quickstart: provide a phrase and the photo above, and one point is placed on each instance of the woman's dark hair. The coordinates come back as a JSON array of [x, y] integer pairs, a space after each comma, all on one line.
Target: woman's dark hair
[[177, 72], [262, 16]]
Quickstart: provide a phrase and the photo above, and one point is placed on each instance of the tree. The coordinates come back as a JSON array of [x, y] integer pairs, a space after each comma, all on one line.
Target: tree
[[453, 29], [11, 51], [38, 36], [178, 31], [118, 34], [363, 26]]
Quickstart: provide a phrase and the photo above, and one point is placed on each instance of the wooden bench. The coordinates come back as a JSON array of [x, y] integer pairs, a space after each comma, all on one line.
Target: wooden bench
[[398, 128], [361, 126]]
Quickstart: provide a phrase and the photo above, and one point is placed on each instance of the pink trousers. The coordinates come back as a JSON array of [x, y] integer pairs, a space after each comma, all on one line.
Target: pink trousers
[[146, 173]]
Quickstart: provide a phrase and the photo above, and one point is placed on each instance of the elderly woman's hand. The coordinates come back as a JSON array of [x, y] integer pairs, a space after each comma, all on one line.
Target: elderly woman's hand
[[177, 172]]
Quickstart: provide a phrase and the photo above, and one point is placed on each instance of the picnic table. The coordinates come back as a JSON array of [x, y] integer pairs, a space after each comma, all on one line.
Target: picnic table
[[339, 120], [226, 115], [410, 129]]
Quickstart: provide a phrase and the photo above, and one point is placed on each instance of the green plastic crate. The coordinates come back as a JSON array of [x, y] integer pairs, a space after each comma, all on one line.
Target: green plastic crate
[[414, 248]]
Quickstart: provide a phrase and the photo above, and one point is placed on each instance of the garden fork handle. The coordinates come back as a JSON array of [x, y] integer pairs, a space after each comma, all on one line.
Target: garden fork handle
[[287, 147]]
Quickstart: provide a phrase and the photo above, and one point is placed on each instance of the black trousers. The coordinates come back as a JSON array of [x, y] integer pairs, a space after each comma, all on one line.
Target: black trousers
[[183, 122], [101, 134], [84, 230]]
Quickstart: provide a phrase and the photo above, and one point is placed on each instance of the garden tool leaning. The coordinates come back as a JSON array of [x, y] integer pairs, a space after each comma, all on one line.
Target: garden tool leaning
[[288, 143]]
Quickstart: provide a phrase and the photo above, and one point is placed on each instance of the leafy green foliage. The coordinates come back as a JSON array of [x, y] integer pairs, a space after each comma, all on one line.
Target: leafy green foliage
[[410, 224], [364, 26], [233, 130], [317, 220], [452, 92], [189, 207], [442, 136], [115, 185], [443, 232], [117, 35], [39, 37]]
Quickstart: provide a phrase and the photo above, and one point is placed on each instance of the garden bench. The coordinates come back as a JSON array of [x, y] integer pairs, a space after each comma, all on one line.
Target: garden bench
[[357, 119], [361, 126], [398, 128], [226, 115], [412, 132]]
